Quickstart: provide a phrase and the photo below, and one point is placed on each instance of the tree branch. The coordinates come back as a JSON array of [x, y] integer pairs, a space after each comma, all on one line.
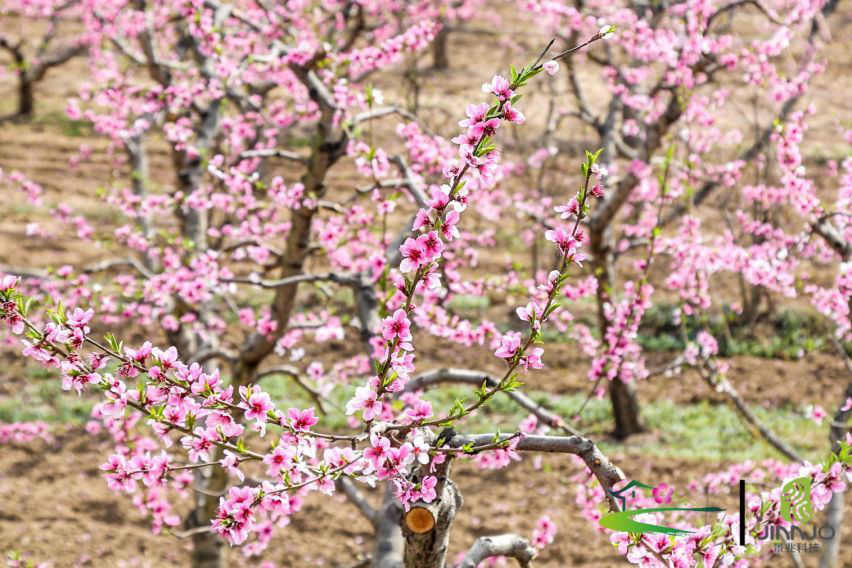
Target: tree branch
[[345, 279], [357, 498], [605, 471], [510, 545], [833, 237], [293, 373], [719, 383], [105, 265], [390, 545], [476, 378], [274, 153], [834, 514]]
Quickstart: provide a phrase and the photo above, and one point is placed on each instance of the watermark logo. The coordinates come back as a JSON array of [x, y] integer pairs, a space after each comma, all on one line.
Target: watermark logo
[[796, 501], [795, 508], [623, 520]]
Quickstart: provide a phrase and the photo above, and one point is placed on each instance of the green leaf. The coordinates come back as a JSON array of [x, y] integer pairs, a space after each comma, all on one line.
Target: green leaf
[[458, 408], [483, 390], [553, 307]]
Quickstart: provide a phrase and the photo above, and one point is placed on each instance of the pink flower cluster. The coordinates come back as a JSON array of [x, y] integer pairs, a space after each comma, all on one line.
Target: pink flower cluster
[[24, 432]]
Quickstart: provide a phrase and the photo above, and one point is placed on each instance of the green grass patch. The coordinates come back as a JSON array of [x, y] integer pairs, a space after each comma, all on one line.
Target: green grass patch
[[715, 432], [468, 304], [789, 334], [43, 399], [67, 126]]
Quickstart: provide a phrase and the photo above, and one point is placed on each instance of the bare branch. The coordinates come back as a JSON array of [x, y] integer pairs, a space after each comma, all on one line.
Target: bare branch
[[381, 112], [345, 485], [105, 265], [207, 354], [317, 89], [410, 180], [605, 471], [747, 156], [101, 266], [719, 383], [294, 374], [476, 378], [274, 153], [253, 242], [738, 4], [54, 59], [509, 545], [25, 273], [833, 237], [345, 279], [191, 532], [390, 545], [584, 111]]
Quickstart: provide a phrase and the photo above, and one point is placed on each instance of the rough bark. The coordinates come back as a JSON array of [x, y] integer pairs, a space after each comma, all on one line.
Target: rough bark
[[207, 550], [428, 549], [834, 515], [390, 545], [625, 409]]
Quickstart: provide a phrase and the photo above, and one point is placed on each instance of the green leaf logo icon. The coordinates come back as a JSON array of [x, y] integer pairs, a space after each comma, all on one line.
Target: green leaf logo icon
[[796, 500]]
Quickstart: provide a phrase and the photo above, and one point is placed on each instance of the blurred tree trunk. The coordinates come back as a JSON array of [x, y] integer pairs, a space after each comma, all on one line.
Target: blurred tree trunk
[[440, 52], [625, 404], [26, 102], [834, 515]]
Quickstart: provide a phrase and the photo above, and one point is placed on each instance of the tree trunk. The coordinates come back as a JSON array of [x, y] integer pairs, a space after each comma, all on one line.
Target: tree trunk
[[625, 404], [440, 57], [390, 545], [625, 409], [207, 551], [834, 515], [26, 100], [426, 544]]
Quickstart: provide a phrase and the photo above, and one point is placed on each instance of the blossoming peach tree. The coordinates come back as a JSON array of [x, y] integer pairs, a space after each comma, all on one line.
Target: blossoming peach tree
[[256, 107], [31, 60], [661, 96]]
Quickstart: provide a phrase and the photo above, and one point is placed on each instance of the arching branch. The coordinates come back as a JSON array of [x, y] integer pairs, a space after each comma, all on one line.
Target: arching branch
[[475, 379], [357, 498], [605, 471], [509, 545]]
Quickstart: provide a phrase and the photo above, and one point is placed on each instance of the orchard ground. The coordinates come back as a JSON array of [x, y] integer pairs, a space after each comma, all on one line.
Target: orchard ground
[[56, 507]]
